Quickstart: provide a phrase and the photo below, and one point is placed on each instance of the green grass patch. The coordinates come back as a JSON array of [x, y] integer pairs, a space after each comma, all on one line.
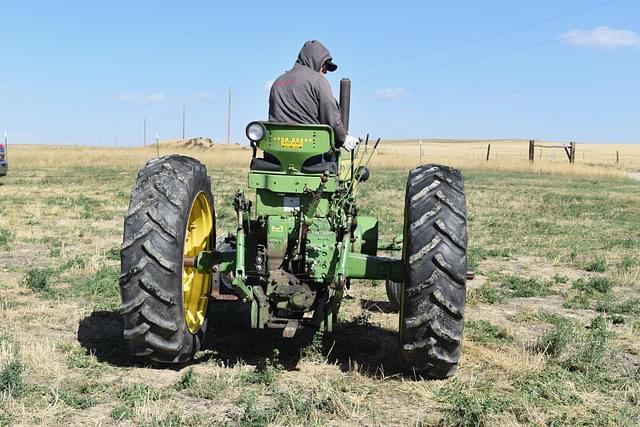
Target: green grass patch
[[485, 332], [578, 349], [597, 265], [627, 263], [120, 413], [100, 289], [77, 357], [630, 307], [583, 292], [137, 393], [12, 377], [500, 287], [266, 372], [555, 341], [12, 370], [593, 286], [470, 407], [487, 293], [39, 279], [77, 399], [524, 287], [7, 236], [543, 388]]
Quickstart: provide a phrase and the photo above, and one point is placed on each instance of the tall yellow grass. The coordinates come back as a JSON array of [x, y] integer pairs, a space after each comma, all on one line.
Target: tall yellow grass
[[591, 159], [509, 155]]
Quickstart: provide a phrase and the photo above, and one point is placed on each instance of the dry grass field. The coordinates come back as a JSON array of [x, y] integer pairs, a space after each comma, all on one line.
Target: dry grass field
[[552, 326]]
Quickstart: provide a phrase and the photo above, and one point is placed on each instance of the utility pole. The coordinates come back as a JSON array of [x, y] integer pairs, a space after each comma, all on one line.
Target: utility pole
[[229, 119], [6, 145], [183, 118], [145, 131]]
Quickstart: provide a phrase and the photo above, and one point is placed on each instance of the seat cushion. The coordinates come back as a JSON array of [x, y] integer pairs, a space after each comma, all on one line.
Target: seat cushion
[[265, 165], [332, 167]]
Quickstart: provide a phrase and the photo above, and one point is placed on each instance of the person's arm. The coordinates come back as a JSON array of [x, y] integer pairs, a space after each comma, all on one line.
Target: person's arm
[[329, 111]]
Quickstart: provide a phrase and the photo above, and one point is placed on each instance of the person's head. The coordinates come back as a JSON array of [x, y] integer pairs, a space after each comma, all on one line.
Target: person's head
[[317, 57]]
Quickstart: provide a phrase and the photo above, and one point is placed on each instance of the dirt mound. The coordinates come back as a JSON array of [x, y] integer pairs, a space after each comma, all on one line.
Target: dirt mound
[[197, 142]]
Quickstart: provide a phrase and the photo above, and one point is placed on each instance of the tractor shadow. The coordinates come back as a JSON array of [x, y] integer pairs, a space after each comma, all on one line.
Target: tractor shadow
[[100, 334], [376, 306], [354, 345]]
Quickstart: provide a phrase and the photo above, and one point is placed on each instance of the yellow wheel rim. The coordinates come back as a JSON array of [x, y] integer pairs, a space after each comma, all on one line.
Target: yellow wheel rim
[[194, 284]]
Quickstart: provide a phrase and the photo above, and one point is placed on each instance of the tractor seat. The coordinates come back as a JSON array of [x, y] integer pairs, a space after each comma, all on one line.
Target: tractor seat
[[332, 167], [312, 165], [269, 165]]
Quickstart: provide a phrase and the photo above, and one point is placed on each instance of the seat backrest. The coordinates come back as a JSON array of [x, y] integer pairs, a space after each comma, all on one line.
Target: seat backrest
[[293, 144]]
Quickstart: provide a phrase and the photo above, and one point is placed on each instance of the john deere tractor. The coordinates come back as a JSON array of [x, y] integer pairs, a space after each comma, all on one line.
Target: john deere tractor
[[295, 249]]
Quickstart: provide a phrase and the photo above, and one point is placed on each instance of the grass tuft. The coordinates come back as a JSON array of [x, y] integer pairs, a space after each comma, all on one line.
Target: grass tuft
[[483, 331], [525, 287], [266, 372], [188, 380], [39, 279], [597, 265], [593, 286], [11, 378], [7, 236], [77, 400]]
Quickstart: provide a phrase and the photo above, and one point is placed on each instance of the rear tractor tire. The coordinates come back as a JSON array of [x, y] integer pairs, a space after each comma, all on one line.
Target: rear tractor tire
[[393, 294], [435, 253], [171, 215]]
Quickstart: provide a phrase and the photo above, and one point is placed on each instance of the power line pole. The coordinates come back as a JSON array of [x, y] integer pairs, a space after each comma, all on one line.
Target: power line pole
[[229, 119], [145, 131], [184, 113]]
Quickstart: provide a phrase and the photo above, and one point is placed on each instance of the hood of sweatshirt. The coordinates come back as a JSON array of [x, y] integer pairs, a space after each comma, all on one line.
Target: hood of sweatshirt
[[313, 55]]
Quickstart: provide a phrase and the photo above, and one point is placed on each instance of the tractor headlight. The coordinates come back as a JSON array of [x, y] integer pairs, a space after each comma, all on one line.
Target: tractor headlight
[[256, 131]]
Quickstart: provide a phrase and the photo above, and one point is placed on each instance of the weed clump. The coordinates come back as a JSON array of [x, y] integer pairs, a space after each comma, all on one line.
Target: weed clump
[[597, 265], [594, 286], [39, 279], [525, 287], [11, 379], [483, 331], [6, 236], [576, 349], [467, 407], [77, 400], [188, 380], [12, 373], [266, 372], [586, 290], [488, 294]]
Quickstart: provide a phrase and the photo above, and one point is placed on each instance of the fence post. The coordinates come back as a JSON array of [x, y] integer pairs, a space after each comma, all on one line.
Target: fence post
[[572, 158], [488, 151], [617, 157], [421, 152], [531, 150]]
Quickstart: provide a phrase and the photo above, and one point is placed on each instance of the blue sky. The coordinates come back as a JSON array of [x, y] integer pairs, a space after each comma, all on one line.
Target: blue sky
[[89, 72]]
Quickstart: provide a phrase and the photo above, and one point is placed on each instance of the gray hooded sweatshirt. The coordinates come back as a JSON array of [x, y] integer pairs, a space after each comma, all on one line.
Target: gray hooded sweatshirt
[[303, 95]]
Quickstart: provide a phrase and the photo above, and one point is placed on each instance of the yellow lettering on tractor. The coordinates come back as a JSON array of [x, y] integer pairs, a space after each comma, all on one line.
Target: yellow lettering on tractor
[[292, 144]]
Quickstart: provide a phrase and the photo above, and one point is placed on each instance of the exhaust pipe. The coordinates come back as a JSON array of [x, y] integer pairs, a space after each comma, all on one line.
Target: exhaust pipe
[[345, 102]]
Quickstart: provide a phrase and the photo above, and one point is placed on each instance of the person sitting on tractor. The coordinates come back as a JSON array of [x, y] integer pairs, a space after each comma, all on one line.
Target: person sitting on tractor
[[303, 95]]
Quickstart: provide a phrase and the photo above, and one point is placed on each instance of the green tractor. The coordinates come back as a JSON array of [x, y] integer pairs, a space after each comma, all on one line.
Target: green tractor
[[294, 251]]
